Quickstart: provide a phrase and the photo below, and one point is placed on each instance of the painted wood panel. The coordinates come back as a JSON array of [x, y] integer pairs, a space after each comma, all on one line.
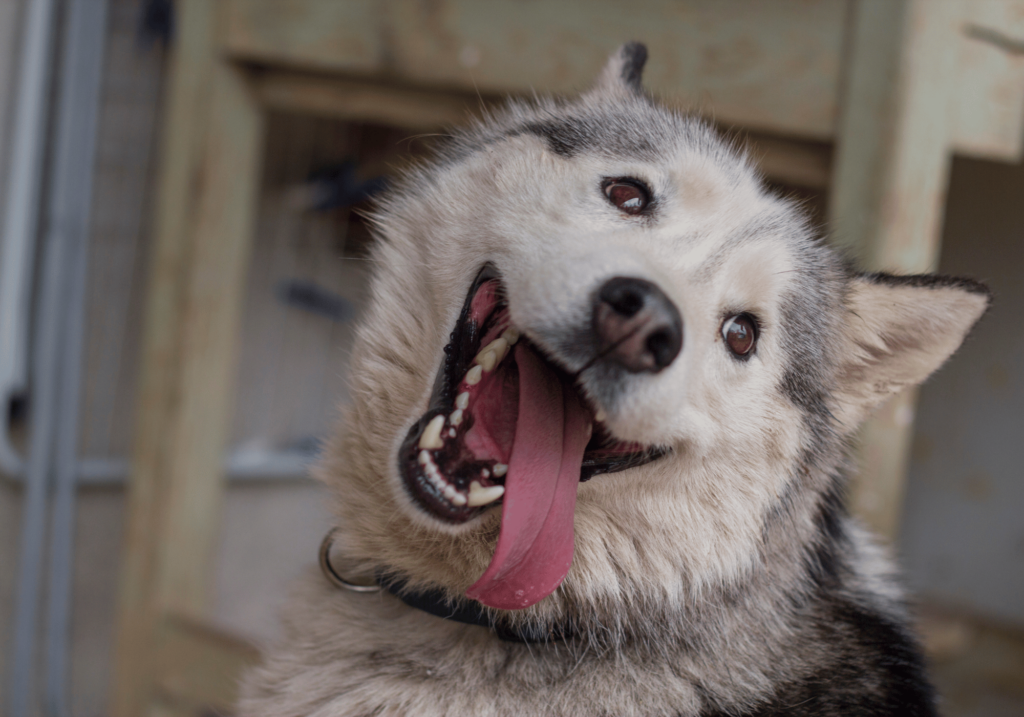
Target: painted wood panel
[[773, 66], [989, 109]]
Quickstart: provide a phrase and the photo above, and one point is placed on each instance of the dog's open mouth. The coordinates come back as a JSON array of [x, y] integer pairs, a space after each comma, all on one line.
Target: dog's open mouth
[[507, 425]]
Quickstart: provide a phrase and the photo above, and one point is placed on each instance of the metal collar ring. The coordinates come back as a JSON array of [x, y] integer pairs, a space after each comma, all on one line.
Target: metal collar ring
[[332, 575]]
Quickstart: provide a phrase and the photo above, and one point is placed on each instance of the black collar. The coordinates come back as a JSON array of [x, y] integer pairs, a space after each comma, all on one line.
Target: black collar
[[469, 612], [437, 604]]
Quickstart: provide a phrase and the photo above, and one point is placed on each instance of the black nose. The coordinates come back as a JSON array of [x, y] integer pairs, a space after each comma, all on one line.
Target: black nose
[[636, 325]]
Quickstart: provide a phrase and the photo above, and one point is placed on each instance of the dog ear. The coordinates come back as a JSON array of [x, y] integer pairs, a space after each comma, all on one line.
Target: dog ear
[[899, 329], [622, 73]]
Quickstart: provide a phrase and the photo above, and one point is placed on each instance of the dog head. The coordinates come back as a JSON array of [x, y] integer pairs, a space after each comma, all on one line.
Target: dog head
[[600, 353]]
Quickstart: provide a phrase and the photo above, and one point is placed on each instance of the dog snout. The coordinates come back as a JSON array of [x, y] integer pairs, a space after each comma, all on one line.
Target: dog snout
[[637, 325]]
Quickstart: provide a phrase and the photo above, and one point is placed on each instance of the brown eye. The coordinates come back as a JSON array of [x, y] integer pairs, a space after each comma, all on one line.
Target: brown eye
[[740, 334], [628, 195]]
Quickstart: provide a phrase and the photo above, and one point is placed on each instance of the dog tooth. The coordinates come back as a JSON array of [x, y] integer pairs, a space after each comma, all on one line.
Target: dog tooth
[[487, 359], [431, 437], [500, 469], [456, 417], [424, 458], [600, 415], [462, 401], [453, 495], [511, 334], [492, 354], [474, 375], [478, 495]]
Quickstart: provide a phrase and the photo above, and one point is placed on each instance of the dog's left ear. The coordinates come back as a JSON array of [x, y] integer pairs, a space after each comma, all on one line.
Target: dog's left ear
[[623, 71], [899, 329]]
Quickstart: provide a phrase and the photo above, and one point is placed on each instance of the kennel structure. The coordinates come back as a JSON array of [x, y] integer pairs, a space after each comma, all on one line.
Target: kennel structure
[[860, 100]]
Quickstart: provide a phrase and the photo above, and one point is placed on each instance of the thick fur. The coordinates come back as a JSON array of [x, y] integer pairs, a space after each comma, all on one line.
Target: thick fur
[[723, 579]]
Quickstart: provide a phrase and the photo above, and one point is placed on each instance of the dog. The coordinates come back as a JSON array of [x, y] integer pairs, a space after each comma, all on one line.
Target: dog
[[597, 449]]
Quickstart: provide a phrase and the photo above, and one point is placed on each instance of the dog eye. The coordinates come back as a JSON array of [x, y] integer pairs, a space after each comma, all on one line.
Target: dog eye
[[740, 334], [629, 195]]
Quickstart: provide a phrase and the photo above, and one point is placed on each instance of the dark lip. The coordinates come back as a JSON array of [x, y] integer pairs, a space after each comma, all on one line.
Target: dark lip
[[459, 353]]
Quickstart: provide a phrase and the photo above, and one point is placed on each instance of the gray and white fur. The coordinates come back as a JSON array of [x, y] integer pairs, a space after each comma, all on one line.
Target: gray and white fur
[[725, 578]]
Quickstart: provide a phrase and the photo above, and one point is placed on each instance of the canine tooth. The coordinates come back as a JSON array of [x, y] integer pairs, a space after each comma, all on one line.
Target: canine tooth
[[511, 334], [431, 437], [474, 375], [500, 469], [462, 401], [424, 458], [493, 353], [600, 415], [478, 495], [456, 417]]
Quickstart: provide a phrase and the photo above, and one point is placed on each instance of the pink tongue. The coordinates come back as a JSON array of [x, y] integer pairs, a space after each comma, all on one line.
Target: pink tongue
[[536, 543]]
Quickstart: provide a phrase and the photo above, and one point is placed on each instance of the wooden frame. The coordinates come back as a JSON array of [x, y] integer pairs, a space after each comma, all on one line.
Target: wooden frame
[[209, 177], [893, 120]]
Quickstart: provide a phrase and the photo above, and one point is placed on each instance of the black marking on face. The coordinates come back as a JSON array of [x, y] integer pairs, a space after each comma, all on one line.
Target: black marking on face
[[564, 138], [634, 57], [802, 389], [809, 342], [616, 135]]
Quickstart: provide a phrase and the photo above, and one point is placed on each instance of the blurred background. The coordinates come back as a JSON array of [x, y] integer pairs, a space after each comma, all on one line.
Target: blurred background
[[182, 258]]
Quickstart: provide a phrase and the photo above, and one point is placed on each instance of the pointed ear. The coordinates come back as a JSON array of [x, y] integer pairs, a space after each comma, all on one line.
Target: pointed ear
[[899, 329], [622, 73]]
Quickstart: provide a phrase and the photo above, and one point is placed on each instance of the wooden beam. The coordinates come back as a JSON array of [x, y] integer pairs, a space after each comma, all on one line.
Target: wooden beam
[[185, 113], [989, 111], [199, 666], [218, 263], [792, 162], [889, 185], [363, 101], [799, 163], [209, 181]]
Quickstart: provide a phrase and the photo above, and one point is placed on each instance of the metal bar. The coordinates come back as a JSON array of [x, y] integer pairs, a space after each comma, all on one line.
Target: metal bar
[[241, 466], [70, 208], [21, 211], [45, 366]]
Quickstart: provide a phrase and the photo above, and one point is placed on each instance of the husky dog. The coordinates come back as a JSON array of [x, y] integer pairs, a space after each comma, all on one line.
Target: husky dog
[[601, 404]]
